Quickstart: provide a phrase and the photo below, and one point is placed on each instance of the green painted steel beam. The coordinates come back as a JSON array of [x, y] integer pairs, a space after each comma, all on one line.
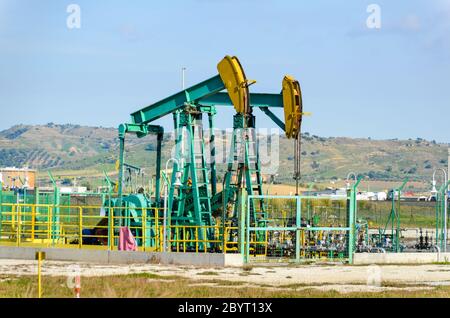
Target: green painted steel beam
[[256, 100], [402, 186], [170, 104], [159, 142], [298, 224], [274, 117], [351, 220], [357, 183], [141, 130]]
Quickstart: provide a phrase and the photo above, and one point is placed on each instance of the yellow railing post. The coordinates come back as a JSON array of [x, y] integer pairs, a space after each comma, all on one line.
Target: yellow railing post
[[33, 221], [177, 242], [13, 218], [19, 225], [205, 235], [184, 239], [40, 256], [110, 227], [80, 226], [111, 215], [225, 235], [49, 214], [161, 238], [157, 242], [196, 239], [144, 221]]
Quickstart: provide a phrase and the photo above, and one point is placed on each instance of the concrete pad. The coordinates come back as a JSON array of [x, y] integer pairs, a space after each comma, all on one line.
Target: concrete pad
[[399, 258], [123, 257]]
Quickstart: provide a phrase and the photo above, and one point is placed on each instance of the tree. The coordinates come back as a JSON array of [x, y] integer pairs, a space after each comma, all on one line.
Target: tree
[[412, 170], [315, 165], [86, 184]]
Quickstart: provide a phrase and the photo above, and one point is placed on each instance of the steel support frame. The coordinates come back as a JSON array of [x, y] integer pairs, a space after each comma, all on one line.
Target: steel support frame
[[441, 217], [245, 223], [173, 103], [352, 212], [394, 217], [201, 193], [140, 131]]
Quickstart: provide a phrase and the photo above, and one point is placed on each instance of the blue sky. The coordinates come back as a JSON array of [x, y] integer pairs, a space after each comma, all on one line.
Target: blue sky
[[392, 82]]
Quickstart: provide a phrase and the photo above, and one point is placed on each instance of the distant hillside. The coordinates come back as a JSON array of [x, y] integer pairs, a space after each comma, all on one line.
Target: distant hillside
[[74, 147], [50, 146]]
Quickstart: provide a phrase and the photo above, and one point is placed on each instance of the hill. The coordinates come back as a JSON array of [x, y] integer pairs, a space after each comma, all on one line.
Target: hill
[[73, 147]]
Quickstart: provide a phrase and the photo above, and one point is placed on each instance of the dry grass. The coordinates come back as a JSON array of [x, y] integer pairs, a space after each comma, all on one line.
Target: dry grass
[[151, 285], [208, 273]]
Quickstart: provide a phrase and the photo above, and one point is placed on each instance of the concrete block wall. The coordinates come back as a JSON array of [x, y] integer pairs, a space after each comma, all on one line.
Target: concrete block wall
[[123, 257]]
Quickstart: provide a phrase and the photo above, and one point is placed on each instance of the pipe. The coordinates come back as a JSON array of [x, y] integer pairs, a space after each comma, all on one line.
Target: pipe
[[165, 204]]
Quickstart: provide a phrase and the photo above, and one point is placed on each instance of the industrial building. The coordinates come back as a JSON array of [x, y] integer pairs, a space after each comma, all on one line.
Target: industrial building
[[15, 178]]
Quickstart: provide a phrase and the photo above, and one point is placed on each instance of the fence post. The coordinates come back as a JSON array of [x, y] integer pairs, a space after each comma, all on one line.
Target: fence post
[[157, 239], [113, 239], [109, 225], [33, 221], [351, 218], [144, 228], [351, 226], [19, 225], [80, 226], [298, 224], [49, 216], [196, 239], [244, 222]]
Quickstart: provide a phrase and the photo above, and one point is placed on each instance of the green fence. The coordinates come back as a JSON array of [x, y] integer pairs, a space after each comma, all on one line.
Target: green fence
[[298, 229]]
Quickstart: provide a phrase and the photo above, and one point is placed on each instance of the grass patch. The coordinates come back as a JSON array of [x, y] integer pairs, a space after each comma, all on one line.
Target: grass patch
[[221, 282], [140, 286], [401, 285], [208, 273], [152, 276]]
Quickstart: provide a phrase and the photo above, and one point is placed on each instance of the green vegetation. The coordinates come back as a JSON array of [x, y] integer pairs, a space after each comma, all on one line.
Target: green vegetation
[[140, 286], [72, 147], [208, 273]]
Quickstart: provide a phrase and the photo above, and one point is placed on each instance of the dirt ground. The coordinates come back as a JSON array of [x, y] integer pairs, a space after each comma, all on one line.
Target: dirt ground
[[343, 279]]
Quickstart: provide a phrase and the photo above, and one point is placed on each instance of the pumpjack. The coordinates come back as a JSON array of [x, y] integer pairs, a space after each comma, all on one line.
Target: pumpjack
[[193, 198]]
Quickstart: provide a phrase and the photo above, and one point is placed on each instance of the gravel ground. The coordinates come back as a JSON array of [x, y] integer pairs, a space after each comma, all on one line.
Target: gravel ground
[[341, 278]]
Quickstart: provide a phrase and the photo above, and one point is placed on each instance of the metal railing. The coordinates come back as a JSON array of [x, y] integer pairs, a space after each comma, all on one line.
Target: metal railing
[[297, 229], [98, 227]]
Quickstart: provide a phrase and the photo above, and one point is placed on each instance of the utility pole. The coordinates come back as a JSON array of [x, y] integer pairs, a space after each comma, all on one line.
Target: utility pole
[[183, 77], [446, 200], [448, 167]]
